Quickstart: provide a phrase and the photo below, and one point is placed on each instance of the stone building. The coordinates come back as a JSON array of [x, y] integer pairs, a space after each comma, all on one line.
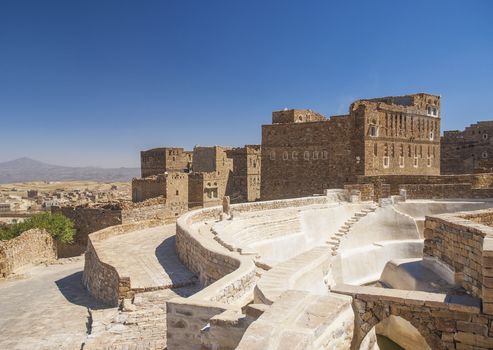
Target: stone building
[[210, 180], [160, 160], [246, 173], [173, 186], [214, 172], [304, 153], [469, 151]]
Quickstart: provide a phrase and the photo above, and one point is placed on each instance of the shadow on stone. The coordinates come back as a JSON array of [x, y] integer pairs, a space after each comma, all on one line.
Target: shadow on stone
[[180, 276], [73, 290]]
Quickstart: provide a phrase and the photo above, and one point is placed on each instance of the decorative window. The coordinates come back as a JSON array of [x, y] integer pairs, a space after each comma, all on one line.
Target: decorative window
[[484, 155], [485, 136], [272, 155], [306, 155], [294, 155], [434, 111], [416, 162], [386, 162], [375, 150], [315, 154], [324, 154], [285, 155], [401, 162], [373, 131], [428, 163], [432, 135]]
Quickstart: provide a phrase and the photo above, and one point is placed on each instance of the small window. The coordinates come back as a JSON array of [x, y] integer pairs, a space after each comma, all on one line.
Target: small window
[[373, 131], [375, 150], [324, 154], [416, 162], [285, 155], [434, 111], [306, 155], [294, 155], [386, 162], [484, 155], [315, 154], [177, 192], [432, 135], [485, 136], [272, 155], [401, 162], [428, 164]]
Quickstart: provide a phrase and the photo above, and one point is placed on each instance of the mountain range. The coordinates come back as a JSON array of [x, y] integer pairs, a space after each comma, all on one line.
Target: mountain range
[[26, 169]]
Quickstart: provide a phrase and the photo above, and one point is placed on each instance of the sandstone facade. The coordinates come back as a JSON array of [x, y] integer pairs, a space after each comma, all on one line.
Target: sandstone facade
[[303, 154]]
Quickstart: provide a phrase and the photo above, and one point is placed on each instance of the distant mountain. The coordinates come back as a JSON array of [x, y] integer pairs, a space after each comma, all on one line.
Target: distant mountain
[[26, 169]]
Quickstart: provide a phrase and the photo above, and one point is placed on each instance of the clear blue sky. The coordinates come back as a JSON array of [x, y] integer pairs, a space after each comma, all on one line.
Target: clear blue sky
[[93, 82]]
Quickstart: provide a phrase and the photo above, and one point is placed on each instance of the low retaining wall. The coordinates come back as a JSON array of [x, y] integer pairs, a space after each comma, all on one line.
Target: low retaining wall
[[229, 276], [101, 279], [31, 247], [465, 247]]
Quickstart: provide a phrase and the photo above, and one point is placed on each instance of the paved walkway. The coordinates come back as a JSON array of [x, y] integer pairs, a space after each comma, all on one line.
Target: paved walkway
[[48, 310], [148, 257]]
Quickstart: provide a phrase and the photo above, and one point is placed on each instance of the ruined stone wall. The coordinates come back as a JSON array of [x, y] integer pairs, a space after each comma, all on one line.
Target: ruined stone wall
[[86, 220], [30, 247], [464, 152], [160, 160], [149, 187], [301, 159]]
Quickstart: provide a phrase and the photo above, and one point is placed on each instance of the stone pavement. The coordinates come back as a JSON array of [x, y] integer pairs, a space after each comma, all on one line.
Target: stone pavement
[[140, 324], [48, 310], [148, 257]]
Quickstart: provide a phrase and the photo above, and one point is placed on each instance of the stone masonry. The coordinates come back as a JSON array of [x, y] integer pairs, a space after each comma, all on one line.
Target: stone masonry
[[304, 153], [469, 151]]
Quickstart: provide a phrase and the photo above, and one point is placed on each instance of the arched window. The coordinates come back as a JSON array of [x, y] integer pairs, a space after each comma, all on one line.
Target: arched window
[[294, 155], [306, 155], [324, 154], [272, 155], [285, 155]]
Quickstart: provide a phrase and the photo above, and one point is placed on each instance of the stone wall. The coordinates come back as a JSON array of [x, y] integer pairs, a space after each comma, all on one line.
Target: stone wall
[[86, 220], [462, 244], [31, 247], [160, 160], [437, 191], [477, 181], [464, 152], [367, 191], [445, 321], [100, 278], [89, 219], [186, 320]]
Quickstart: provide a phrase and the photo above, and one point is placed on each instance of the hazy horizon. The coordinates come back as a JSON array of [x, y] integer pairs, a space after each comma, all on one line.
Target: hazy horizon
[[93, 83]]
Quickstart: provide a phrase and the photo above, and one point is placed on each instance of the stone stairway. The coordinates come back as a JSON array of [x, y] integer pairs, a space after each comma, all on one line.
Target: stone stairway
[[335, 240]]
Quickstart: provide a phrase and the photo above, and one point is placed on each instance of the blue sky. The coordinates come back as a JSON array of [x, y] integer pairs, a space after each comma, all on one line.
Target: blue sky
[[94, 82]]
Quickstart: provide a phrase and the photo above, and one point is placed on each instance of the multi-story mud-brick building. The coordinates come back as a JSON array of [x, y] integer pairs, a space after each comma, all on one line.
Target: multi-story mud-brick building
[[469, 151], [160, 160], [304, 153]]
